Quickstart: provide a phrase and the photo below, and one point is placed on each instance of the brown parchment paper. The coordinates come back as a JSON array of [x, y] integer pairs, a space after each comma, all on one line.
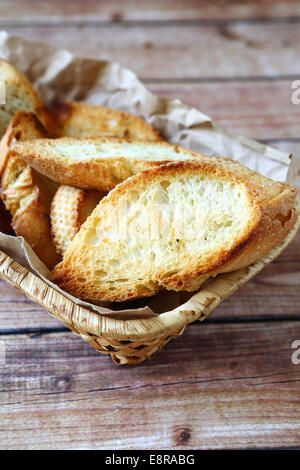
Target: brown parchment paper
[[57, 73]]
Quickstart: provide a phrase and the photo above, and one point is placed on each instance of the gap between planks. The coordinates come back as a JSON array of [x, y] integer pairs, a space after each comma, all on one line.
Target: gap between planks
[[58, 23], [164, 10]]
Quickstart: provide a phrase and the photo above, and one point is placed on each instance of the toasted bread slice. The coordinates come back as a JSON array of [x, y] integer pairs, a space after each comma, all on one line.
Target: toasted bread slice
[[99, 163], [78, 119], [19, 95], [26, 194], [69, 210], [71, 206], [172, 227]]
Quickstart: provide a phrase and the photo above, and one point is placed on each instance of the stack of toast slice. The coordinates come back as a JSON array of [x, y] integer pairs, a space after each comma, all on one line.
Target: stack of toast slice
[[27, 194], [119, 213]]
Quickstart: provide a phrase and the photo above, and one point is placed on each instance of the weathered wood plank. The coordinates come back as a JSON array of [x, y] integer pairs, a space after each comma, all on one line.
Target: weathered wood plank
[[217, 386], [189, 51], [133, 10], [220, 385], [260, 109]]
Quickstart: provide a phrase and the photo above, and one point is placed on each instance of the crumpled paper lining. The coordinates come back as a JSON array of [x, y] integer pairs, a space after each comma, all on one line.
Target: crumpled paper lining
[[57, 73]]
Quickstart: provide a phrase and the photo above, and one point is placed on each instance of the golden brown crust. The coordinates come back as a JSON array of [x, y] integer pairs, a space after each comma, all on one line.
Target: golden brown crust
[[279, 215], [23, 126], [26, 194], [33, 224], [101, 174], [272, 218], [276, 202], [20, 95], [78, 119]]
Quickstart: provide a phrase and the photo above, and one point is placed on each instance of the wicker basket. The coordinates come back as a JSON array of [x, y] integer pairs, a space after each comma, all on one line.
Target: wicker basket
[[132, 341]]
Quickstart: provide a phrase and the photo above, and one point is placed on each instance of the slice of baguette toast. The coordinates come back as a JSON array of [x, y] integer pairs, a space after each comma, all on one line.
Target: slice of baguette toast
[[78, 119], [174, 226], [70, 208], [97, 163], [26, 194], [19, 95]]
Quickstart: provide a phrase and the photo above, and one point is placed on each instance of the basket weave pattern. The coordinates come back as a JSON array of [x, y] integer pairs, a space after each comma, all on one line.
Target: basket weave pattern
[[132, 341]]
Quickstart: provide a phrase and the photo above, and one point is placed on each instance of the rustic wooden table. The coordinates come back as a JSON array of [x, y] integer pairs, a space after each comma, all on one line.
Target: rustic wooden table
[[229, 382]]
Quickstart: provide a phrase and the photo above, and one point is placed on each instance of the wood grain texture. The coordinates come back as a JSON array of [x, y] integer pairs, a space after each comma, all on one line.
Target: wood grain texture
[[58, 393], [257, 109], [134, 10], [220, 385], [191, 51]]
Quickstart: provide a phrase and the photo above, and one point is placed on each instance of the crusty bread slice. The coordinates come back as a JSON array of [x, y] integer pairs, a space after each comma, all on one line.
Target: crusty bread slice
[[174, 226], [97, 163], [26, 194], [70, 208], [19, 95], [78, 119]]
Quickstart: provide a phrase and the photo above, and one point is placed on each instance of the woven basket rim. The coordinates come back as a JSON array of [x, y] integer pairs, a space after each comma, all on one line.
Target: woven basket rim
[[92, 323]]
